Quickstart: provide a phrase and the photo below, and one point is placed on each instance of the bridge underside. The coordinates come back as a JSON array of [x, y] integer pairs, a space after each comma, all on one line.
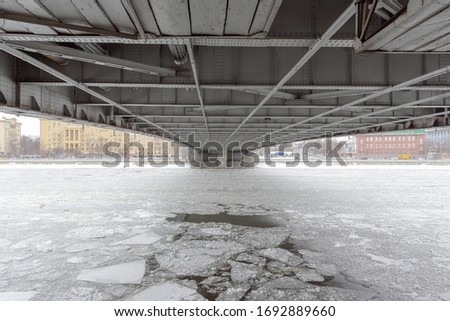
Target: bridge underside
[[226, 70]]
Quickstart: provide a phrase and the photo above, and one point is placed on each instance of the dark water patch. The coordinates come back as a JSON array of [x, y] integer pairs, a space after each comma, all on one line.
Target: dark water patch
[[290, 245], [261, 221], [151, 264], [176, 237], [294, 245], [344, 281]]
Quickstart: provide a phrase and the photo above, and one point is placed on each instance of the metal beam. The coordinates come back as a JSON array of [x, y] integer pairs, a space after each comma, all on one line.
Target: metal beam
[[43, 115], [393, 108], [80, 55], [132, 13], [234, 41], [57, 24], [352, 131], [266, 91], [223, 41], [445, 113], [263, 117], [197, 83], [27, 58], [256, 130], [343, 18], [407, 20], [240, 87], [335, 94], [388, 90], [229, 107], [258, 125]]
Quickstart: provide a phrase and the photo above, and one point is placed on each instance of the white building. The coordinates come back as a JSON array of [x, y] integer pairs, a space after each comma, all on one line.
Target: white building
[[10, 133]]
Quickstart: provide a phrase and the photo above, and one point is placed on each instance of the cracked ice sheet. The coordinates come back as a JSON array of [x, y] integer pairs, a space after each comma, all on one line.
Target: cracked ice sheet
[[126, 273]]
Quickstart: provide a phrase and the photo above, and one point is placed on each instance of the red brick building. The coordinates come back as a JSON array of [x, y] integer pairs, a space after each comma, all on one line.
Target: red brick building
[[391, 144]]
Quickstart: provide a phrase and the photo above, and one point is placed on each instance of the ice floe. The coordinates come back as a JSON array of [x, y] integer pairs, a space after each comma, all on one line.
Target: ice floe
[[88, 294], [196, 257], [142, 239], [214, 231], [308, 275], [167, 291], [242, 272], [126, 273], [281, 255], [186, 262], [264, 238], [17, 296], [93, 232], [233, 293], [250, 258]]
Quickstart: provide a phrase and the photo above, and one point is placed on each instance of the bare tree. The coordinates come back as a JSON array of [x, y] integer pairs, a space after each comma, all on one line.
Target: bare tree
[[29, 145]]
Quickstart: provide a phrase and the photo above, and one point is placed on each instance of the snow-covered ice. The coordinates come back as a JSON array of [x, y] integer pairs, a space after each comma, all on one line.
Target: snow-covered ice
[[349, 233], [126, 273], [4, 243]]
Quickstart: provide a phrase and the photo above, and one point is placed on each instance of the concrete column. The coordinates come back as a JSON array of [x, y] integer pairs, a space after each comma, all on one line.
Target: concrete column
[[230, 160]]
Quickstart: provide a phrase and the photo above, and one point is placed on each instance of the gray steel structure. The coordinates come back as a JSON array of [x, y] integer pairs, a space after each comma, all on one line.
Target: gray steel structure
[[228, 70]]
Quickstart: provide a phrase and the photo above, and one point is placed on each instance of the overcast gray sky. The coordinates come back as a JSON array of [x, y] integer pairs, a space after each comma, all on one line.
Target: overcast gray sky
[[30, 126]]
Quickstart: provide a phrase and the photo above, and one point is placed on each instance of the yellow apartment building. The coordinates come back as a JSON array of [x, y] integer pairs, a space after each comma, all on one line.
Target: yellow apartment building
[[57, 137]]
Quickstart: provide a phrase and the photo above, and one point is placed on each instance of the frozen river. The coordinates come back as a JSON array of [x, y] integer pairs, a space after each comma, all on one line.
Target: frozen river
[[350, 233]]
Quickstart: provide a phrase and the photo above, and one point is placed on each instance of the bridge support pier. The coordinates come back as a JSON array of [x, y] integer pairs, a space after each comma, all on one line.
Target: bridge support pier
[[228, 160]]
